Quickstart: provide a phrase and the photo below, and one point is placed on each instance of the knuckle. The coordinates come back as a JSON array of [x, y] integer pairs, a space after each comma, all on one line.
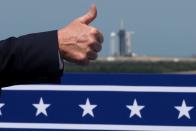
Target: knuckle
[[94, 31], [88, 50], [81, 57], [96, 55], [99, 48], [96, 47], [92, 41], [92, 55]]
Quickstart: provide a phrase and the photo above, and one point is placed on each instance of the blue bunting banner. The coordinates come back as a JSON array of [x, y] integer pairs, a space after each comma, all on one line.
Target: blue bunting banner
[[80, 107]]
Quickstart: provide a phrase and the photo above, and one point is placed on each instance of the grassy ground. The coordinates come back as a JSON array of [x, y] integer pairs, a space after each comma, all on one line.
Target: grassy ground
[[134, 67]]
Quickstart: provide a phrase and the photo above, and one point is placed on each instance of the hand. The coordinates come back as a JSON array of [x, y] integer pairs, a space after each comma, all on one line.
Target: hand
[[78, 42]]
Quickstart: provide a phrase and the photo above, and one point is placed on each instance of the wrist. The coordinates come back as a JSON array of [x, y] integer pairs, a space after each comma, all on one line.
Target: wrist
[[60, 38], [59, 33]]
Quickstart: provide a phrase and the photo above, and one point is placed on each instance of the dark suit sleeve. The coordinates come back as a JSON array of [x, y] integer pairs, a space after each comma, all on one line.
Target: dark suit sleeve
[[30, 59]]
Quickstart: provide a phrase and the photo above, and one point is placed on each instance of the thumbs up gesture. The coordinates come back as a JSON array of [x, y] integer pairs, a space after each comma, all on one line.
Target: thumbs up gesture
[[79, 42]]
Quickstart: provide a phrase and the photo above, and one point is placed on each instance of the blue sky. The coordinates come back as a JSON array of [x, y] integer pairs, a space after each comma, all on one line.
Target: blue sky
[[162, 27]]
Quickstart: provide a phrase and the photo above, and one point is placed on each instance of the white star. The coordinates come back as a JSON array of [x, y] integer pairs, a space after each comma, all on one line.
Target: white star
[[88, 108], [184, 110], [1, 105], [41, 107], [135, 109]]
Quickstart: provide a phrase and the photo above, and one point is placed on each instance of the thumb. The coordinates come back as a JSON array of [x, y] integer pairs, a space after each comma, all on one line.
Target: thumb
[[89, 16]]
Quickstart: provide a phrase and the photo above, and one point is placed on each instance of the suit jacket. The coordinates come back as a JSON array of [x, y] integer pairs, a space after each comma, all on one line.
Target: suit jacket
[[30, 59]]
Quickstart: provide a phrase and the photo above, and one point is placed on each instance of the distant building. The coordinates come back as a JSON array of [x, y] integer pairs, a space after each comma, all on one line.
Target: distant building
[[122, 42], [114, 49], [129, 39], [124, 45]]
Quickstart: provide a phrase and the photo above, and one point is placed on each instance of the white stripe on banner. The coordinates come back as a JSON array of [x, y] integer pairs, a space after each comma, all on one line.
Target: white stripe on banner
[[93, 127], [102, 88]]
